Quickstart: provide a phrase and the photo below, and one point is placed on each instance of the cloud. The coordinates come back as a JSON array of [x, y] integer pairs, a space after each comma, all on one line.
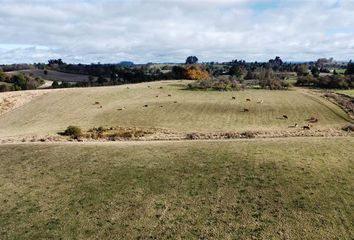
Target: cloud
[[167, 31]]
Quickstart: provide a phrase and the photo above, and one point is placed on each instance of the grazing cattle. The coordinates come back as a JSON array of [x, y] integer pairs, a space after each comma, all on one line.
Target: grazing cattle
[[96, 103], [248, 100], [161, 106], [306, 127], [260, 101], [121, 109], [100, 106], [285, 117], [296, 125], [146, 105], [169, 95], [312, 120], [157, 96], [246, 110], [161, 87], [233, 98], [175, 102]]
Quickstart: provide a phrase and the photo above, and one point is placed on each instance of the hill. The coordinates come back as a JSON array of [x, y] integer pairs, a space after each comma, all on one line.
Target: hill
[[182, 111], [53, 75]]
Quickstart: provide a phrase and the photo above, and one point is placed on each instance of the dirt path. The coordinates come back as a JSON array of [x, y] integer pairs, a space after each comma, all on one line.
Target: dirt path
[[129, 143]]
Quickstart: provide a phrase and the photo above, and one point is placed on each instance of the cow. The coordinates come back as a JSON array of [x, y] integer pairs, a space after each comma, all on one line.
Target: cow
[[285, 116]]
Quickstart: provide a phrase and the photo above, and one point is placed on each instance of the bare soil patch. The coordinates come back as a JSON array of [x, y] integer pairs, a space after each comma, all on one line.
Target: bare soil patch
[[12, 100], [342, 100]]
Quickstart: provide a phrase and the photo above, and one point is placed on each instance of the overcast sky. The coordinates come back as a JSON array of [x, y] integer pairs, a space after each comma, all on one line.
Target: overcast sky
[[142, 31]]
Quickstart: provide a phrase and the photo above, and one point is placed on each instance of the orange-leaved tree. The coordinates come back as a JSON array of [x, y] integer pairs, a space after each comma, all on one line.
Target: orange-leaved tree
[[196, 73]]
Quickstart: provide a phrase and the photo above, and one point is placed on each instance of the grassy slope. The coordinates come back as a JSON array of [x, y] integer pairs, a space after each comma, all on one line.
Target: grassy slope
[[195, 110], [6, 83], [347, 92], [264, 189]]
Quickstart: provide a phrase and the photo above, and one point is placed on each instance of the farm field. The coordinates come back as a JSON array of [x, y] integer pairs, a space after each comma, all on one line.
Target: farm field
[[183, 111], [347, 92], [243, 189], [5, 83], [53, 75]]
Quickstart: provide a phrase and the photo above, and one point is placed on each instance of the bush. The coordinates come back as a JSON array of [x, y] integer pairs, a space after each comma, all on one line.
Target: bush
[[349, 128], [221, 83], [4, 88], [248, 134], [73, 131], [193, 136]]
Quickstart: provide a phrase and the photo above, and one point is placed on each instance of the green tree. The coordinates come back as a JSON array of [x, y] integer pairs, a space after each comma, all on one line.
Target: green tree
[[55, 84], [350, 68], [236, 71], [191, 60], [302, 70], [315, 72]]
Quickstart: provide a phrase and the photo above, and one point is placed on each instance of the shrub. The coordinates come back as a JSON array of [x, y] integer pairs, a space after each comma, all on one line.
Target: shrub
[[192, 136], [248, 134], [73, 131], [4, 88], [220, 83], [55, 84], [348, 128]]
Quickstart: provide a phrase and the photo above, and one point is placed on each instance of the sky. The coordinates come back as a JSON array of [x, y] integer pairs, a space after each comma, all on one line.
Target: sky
[[107, 31]]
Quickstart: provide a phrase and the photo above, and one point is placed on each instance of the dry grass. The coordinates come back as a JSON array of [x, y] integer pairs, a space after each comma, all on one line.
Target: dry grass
[[12, 100], [347, 92], [255, 189], [185, 111]]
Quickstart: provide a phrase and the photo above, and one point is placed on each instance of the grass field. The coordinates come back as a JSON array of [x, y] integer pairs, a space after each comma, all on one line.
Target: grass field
[[6, 83], [347, 92], [256, 189], [193, 111], [54, 75]]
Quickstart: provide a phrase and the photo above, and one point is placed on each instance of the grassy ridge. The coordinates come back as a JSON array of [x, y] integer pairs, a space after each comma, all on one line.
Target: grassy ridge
[[193, 110], [264, 189], [347, 92]]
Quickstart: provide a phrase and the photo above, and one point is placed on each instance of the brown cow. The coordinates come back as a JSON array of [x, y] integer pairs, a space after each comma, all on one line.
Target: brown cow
[[248, 99]]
